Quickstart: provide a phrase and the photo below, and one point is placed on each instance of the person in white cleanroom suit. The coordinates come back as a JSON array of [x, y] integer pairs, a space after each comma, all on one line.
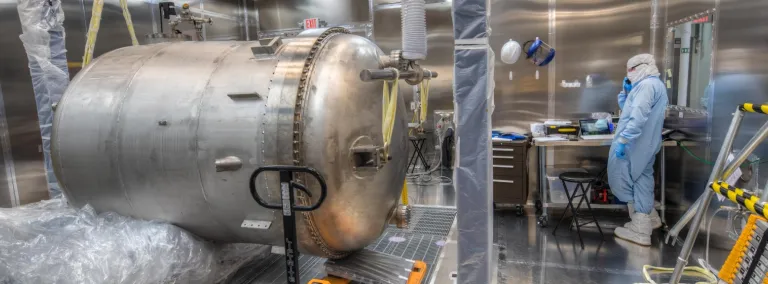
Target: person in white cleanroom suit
[[636, 142]]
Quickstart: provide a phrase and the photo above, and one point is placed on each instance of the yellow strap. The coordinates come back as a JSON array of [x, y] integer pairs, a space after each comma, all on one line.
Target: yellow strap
[[404, 194], [129, 22], [748, 107], [389, 110], [93, 30], [424, 90]]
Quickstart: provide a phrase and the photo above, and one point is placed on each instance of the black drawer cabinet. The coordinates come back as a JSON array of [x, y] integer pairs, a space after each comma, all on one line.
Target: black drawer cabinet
[[510, 172]]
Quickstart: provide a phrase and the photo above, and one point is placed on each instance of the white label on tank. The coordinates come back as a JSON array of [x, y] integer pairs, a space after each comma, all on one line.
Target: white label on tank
[[284, 191]]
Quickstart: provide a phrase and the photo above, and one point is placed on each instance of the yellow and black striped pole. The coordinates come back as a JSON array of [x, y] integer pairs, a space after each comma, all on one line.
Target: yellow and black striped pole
[[739, 196], [750, 107]]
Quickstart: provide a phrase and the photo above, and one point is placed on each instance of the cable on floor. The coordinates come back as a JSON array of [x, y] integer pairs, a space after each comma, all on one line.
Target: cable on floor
[[690, 271]]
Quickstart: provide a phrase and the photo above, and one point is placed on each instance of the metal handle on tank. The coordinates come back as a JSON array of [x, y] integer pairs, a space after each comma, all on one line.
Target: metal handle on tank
[[289, 170]]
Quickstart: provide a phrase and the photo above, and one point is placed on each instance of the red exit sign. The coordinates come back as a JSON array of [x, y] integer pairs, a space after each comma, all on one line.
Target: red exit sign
[[310, 23], [704, 19]]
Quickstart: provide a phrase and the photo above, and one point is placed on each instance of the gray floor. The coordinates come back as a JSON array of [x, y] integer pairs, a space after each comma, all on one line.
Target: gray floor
[[531, 254]]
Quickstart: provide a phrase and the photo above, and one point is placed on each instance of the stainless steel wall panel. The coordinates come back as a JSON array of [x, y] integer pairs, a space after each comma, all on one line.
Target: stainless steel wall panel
[[678, 9], [227, 16], [287, 14], [522, 99], [596, 39]]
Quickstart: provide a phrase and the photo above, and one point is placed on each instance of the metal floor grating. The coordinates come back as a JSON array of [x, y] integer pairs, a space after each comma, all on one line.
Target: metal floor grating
[[271, 270], [423, 241], [430, 220]]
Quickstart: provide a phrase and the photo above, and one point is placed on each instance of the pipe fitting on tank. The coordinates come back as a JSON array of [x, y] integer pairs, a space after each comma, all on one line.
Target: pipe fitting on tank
[[419, 76], [401, 216], [394, 60]]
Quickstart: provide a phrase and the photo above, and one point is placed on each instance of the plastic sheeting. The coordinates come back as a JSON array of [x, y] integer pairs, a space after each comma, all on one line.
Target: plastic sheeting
[[43, 39], [470, 19], [473, 85], [473, 104], [49, 242]]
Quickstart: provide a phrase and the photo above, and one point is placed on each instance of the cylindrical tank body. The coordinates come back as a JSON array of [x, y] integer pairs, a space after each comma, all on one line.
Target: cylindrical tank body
[[140, 129]]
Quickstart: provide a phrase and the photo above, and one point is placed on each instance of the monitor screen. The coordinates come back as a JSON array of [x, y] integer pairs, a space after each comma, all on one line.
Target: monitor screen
[[591, 127]]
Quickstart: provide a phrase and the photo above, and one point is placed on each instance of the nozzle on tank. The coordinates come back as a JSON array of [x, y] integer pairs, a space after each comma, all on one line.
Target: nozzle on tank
[[401, 217]]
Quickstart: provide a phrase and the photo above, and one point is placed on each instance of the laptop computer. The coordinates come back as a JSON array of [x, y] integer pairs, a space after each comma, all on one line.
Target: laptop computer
[[590, 131]]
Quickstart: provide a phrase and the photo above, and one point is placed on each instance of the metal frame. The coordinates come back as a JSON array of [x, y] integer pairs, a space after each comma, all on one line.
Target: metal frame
[[543, 183], [670, 42], [721, 171], [675, 230], [292, 32]]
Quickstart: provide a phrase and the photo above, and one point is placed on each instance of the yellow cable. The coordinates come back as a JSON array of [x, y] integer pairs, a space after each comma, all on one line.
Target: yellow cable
[[93, 30], [410, 130], [389, 110], [129, 22]]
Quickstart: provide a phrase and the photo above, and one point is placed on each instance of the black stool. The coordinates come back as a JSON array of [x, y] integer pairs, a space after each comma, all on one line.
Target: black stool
[[418, 155], [580, 179]]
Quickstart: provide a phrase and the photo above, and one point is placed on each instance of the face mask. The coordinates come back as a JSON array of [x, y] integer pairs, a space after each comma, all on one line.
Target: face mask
[[634, 74]]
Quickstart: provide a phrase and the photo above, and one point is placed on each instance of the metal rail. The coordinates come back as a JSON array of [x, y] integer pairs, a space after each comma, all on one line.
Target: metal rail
[[368, 75], [719, 174], [742, 197]]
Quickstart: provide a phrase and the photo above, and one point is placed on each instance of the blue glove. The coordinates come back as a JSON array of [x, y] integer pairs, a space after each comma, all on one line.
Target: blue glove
[[621, 151], [601, 124], [627, 85]]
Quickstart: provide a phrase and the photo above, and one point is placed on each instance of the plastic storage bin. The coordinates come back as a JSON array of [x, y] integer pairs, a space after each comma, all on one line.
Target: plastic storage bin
[[556, 189]]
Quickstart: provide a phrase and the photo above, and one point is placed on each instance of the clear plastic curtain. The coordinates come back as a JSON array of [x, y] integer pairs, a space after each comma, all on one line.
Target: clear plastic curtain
[[473, 104], [43, 39]]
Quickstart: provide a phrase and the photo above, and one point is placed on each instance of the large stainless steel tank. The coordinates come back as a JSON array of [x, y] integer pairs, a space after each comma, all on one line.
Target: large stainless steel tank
[[140, 129]]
